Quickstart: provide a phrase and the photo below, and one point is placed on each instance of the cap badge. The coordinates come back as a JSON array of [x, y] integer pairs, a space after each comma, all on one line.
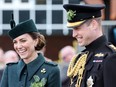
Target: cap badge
[[71, 14]]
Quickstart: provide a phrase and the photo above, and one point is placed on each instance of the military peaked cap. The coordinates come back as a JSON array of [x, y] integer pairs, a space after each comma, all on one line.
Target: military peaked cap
[[77, 14]]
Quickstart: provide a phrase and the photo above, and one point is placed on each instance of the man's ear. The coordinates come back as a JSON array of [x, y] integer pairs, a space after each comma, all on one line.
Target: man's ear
[[93, 24]]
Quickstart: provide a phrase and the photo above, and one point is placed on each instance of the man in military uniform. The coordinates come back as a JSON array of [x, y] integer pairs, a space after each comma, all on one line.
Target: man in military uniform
[[95, 65]]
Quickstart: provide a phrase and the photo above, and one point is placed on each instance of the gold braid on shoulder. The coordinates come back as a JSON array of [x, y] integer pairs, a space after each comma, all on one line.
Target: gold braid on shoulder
[[77, 69]]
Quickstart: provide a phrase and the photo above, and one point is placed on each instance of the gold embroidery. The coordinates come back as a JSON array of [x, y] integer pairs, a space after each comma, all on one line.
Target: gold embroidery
[[78, 68]]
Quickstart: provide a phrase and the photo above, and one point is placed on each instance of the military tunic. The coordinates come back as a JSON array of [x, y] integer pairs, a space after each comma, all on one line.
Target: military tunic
[[21, 74], [100, 65]]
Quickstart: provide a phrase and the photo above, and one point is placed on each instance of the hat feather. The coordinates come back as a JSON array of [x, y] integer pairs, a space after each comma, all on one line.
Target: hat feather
[[12, 22]]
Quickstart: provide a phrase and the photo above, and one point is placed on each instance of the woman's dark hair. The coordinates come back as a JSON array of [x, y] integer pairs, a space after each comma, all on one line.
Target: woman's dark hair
[[41, 40]]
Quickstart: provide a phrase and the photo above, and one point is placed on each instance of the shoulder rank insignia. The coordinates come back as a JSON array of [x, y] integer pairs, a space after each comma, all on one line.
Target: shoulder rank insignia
[[112, 46], [99, 55]]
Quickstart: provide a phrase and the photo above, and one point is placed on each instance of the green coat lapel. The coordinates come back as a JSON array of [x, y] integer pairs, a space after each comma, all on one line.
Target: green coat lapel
[[32, 67], [35, 65], [20, 67]]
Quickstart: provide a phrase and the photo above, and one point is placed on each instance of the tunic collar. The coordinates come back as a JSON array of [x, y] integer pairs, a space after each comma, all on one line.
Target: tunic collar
[[32, 67], [96, 44]]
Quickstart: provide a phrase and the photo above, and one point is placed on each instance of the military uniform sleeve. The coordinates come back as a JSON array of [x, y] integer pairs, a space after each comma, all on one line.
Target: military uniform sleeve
[[54, 78], [4, 80], [109, 71]]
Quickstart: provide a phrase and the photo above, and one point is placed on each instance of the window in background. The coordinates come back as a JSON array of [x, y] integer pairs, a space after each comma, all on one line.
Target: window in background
[[8, 1], [57, 17], [40, 17], [74, 1], [40, 2], [7, 16], [24, 1], [43, 31], [57, 1], [57, 32], [23, 15]]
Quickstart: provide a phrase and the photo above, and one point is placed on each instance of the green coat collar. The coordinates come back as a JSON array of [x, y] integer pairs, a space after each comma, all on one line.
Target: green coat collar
[[32, 67]]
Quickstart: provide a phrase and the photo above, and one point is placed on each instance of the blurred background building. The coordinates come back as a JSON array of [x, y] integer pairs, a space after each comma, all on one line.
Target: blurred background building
[[50, 19]]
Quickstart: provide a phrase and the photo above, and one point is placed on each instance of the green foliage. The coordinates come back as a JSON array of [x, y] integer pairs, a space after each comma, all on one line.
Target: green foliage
[[71, 14], [38, 82]]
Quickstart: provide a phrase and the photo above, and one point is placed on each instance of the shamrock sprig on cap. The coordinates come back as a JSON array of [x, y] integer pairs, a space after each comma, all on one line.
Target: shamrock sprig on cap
[[71, 14]]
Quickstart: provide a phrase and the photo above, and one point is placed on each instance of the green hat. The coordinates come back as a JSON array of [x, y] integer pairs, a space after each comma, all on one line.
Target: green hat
[[22, 28], [78, 14]]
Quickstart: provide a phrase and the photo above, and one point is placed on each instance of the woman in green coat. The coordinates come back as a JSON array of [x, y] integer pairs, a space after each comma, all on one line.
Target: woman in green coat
[[32, 70]]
